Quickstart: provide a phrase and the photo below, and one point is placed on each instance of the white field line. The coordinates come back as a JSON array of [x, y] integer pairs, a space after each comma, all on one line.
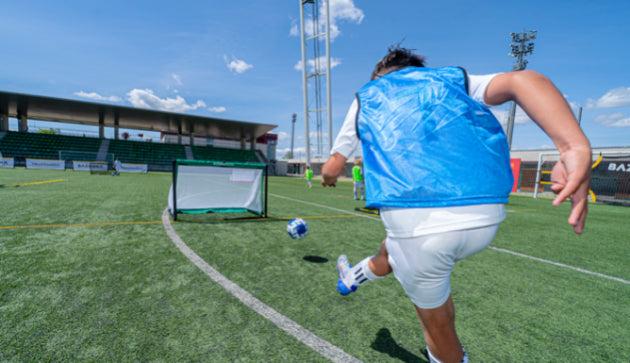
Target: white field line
[[494, 248], [561, 265], [327, 207], [303, 335]]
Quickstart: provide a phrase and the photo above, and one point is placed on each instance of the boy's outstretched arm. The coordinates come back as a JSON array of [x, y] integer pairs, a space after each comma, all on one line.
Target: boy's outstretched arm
[[332, 168], [544, 104]]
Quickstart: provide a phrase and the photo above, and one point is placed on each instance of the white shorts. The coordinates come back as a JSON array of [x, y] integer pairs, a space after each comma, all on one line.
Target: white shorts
[[358, 184], [423, 264]]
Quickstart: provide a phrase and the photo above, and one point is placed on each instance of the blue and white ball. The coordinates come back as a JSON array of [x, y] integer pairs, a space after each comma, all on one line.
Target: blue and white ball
[[297, 228]]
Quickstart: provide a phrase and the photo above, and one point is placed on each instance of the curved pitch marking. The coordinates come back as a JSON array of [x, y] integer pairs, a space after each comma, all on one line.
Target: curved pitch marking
[[305, 336]]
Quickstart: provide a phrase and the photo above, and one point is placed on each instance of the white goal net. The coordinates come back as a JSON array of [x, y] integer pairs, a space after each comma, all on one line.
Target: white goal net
[[610, 176], [217, 187]]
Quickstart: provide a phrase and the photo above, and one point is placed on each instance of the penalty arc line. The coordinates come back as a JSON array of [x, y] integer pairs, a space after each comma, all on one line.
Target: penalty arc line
[[300, 333], [491, 247]]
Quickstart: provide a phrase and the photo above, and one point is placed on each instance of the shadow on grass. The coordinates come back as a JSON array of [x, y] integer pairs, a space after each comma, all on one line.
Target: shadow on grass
[[315, 259], [385, 343]]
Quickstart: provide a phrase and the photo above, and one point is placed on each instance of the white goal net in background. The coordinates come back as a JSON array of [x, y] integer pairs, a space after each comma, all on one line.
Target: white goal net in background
[[99, 168], [610, 176], [85, 156], [217, 187]]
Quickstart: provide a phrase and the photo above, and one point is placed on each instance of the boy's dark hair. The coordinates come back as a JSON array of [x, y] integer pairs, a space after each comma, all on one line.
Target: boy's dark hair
[[397, 58]]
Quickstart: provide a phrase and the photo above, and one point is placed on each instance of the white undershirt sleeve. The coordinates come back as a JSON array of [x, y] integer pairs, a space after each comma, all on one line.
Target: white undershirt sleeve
[[347, 140], [477, 86]]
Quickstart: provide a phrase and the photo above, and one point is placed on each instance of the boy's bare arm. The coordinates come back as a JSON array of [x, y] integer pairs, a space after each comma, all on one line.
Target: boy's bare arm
[[544, 104], [332, 168]]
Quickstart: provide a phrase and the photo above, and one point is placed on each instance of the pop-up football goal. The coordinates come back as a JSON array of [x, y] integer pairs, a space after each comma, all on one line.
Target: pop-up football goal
[[201, 186]]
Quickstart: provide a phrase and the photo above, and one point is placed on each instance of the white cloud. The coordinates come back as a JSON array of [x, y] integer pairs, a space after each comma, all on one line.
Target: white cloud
[[313, 135], [617, 97], [321, 63], [237, 65], [295, 30], [520, 117], [340, 10], [625, 122], [538, 147], [96, 96], [147, 99], [298, 152], [217, 109], [617, 119], [177, 79], [345, 9], [283, 136]]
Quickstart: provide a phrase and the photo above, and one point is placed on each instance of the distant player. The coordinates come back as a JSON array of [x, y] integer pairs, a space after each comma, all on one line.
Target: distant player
[[438, 167], [357, 179], [116, 167], [308, 175]]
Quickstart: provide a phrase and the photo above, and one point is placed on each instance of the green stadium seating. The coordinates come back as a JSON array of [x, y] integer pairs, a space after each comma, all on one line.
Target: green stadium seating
[[224, 154], [44, 146], [141, 152], [47, 146]]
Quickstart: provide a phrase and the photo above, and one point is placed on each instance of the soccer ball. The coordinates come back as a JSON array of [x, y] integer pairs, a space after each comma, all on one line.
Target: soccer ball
[[297, 228]]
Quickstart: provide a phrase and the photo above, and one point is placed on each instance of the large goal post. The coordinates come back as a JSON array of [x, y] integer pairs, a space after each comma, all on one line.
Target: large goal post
[[201, 186]]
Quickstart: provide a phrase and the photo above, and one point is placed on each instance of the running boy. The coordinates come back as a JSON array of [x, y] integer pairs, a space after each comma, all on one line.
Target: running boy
[[438, 166], [357, 180], [308, 174]]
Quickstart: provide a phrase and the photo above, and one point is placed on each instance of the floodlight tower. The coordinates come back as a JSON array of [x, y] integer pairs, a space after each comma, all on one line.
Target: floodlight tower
[[518, 50], [312, 82], [292, 133]]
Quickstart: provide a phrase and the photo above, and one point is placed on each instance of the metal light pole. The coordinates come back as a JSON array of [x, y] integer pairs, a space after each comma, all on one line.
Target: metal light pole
[[518, 50], [312, 80], [292, 133], [304, 81], [328, 86]]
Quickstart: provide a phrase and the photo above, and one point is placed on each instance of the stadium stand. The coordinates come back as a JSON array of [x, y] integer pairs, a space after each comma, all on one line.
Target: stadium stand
[[141, 152], [224, 154], [47, 146], [44, 146]]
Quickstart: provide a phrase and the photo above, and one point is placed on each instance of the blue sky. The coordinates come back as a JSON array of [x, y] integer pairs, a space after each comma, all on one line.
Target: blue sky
[[237, 59]]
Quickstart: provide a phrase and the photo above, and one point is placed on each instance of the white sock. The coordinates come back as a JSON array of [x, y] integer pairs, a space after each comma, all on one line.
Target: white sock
[[362, 273], [432, 359]]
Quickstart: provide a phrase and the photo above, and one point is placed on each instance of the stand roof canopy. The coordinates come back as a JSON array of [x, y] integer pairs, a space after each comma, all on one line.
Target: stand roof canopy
[[18, 105]]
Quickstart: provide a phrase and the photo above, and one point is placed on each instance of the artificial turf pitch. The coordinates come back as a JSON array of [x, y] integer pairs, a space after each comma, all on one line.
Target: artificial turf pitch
[[88, 273]]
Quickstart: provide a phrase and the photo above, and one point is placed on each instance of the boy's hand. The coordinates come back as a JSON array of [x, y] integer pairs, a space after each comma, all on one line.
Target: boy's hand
[[571, 178], [329, 183], [331, 169]]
